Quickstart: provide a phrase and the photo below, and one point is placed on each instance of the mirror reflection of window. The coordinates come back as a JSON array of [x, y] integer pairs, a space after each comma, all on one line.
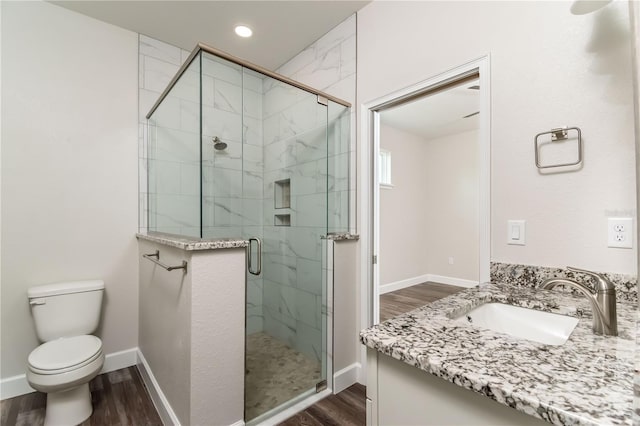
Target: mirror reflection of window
[[385, 169]]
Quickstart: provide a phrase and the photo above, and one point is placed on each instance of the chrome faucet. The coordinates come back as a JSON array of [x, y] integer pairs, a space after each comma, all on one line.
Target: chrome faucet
[[603, 300]]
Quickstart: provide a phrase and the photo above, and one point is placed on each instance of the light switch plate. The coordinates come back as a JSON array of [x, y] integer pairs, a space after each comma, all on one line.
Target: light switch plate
[[620, 232], [516, 232]]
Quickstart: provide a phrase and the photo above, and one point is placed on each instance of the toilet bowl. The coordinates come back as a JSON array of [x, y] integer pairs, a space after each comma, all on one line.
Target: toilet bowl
[[63, 368], [69, 358]]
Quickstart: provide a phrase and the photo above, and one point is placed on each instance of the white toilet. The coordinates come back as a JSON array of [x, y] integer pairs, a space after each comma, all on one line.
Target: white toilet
[[65, 314]]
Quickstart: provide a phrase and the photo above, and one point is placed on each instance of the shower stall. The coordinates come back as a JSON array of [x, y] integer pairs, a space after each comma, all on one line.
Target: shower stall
[[236, 151]]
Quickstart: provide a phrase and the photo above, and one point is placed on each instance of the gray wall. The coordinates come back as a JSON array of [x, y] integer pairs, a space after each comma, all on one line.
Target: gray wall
[[68, 168], [591, 88]]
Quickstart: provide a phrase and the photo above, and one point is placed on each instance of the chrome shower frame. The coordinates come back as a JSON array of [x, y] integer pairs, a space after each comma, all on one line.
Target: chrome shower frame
[[201, 47]]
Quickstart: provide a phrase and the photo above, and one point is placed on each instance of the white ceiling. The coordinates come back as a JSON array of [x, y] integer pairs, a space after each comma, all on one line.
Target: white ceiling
[[281, 29], [437, 115]]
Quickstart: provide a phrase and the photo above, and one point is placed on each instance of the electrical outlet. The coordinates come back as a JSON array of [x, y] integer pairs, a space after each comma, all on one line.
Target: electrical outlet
[[450, 260], [620, 232]]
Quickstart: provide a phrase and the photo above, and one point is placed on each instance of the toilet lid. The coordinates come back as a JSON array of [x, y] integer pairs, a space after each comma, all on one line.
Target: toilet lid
[[65, 353]]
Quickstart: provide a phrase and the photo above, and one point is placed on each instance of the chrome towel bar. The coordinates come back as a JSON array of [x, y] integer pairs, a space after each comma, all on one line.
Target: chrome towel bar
[[558, 135], [167, 267]]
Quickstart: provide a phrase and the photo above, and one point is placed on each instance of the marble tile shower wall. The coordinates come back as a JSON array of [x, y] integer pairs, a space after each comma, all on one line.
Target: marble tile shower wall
[[295, 132], [173, 152], [158, 62], [295, 151], [232, 177], [329, 65]]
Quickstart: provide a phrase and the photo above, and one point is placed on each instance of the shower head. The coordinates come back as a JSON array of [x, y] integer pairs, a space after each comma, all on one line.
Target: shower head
[[218, 145]]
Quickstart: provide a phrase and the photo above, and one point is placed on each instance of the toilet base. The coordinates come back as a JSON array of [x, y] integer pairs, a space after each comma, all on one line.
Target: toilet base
[[70, 407]]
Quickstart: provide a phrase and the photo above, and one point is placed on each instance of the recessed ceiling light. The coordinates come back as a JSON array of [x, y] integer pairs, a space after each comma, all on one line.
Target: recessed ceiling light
[[243, 31]]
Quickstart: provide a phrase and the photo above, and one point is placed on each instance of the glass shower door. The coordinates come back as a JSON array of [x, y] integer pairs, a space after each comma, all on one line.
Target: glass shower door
[[285, 179], [264, 177]]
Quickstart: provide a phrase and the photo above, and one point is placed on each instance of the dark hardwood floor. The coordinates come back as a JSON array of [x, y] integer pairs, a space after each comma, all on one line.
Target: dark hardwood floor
[[344, 409], [407, 299], [119, 398]]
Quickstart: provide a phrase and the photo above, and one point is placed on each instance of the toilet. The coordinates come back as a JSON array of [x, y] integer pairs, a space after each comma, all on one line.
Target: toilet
[[65, 315]]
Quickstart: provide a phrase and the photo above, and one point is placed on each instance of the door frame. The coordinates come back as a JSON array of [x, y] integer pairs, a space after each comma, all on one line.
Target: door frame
[[369, 174]]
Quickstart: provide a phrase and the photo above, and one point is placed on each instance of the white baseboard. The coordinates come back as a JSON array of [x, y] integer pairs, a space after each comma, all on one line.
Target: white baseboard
[[18, 385], [238, 423], [346, 377], [167, 415], [398, 285], [453, 281], [118, 360], [14, 386]]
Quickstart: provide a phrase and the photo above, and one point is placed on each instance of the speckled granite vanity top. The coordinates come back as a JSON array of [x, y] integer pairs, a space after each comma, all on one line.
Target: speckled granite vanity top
[[586, 381], [192, 244]]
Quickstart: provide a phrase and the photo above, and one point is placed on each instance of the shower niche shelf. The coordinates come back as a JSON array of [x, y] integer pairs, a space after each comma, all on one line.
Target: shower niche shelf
[[282, 220], [282, 194]]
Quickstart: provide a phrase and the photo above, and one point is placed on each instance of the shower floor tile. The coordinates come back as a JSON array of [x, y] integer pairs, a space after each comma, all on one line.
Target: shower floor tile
[[275, 373]]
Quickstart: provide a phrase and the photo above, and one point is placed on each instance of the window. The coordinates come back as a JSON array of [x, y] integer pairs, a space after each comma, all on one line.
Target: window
[[384, 168]]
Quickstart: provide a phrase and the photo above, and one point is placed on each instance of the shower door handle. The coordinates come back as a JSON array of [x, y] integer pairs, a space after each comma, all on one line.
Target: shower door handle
[[259, 256]]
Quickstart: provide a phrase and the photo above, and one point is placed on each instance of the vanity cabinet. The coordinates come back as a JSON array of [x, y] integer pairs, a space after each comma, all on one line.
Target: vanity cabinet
[[400, 394]]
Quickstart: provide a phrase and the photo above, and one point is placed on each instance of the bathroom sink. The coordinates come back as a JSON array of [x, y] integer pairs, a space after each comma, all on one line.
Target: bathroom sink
[[529, 324]]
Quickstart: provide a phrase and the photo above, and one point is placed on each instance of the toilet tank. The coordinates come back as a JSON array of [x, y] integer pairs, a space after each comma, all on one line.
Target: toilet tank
[[66, 309]]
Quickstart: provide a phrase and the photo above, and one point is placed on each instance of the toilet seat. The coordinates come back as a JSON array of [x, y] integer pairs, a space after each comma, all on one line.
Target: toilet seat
[[64, 355]]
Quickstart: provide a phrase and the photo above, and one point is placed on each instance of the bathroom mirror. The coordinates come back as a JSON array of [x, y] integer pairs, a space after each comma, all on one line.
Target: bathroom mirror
[[431, 194], [428, 215]]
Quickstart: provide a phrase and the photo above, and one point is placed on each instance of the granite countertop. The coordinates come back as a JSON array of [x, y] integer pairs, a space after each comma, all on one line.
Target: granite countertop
[[341, 236], [586, 381], [222, 243], [191, 244]]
